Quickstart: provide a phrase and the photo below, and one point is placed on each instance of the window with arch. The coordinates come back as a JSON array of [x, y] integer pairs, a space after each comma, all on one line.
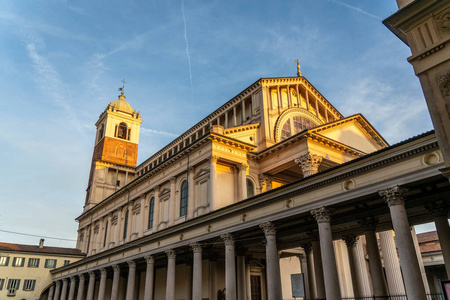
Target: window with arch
[[125, 225], [250, 188], [151, 212], [122, 131], [184, 198], [295, 125]]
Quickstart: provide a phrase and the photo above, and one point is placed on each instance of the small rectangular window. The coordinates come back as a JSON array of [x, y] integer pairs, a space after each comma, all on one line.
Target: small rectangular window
[[4, 261], [18, 261], [66, 262], [28, 284], [33, 262], [118, 183], [50, 263], [13, 286], [2, 282]]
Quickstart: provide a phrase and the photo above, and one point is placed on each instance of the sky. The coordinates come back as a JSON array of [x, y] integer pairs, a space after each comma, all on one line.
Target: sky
[[62, 62]]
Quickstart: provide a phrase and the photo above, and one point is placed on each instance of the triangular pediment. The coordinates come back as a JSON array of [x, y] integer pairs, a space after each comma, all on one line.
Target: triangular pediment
[[354, 131], [246, 133]]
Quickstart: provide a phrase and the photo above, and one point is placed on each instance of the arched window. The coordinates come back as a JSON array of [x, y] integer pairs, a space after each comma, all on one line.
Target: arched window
[[295, 125], [184, 199], [106, 233], [125, 225], [151, 212], [122, 131], [250, 189]]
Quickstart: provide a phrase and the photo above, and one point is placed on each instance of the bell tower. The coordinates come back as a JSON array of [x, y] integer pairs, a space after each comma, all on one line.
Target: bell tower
[[115, 150]]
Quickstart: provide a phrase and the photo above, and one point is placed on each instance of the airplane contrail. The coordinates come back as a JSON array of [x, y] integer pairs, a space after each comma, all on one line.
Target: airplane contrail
[[187, 44]]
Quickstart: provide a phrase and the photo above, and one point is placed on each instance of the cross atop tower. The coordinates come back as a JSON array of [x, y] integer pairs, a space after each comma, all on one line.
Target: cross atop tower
[[123, 86]]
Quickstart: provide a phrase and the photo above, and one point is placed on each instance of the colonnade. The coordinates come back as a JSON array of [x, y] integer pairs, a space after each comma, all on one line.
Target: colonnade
[[319, 264]]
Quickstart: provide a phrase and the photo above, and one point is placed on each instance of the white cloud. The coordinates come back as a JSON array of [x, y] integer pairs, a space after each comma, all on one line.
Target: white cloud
[[153, 132]]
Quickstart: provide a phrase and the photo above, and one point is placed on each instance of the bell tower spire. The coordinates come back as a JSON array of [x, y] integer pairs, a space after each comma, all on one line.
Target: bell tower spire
[[115, 150]]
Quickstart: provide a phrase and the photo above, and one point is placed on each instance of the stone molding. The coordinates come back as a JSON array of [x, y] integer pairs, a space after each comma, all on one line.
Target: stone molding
[[196, 247], [227, 238], [322, 214], [395, 195], [268, 228], [149, 259], [350, 240], [171, 254]]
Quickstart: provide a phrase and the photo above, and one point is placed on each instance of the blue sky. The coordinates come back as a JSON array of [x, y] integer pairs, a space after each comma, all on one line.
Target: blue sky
[[62, 61]]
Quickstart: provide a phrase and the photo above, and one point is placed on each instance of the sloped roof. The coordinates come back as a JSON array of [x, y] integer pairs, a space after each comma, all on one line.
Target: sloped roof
[[35, 249]]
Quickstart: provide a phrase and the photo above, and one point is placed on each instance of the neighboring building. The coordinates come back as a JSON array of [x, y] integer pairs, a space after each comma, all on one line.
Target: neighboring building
[[275, 169], [25, 269]]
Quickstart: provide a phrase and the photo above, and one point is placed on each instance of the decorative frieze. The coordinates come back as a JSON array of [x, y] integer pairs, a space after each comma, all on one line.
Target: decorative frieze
[[322, 214], [394, 195]]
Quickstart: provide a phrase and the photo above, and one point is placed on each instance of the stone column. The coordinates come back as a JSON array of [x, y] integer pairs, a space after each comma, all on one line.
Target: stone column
[[243, 180], [272, 262], [318, 268], [149, 277], [73, 283], [330, 274], [212, 277], [156, 210], [131, 279], [395, 198], [115, 283], [117, 236], [172, 200], [350, 241], [57, 290], [420, 261], [50, 292], [129, 222], [304, 270], [80, 293], [241, 280], [310, 270], [64, 289], [212, 183], [440, 216], [91, 286], [230, 267], [391, 264], [197, 272], [108, 231], [248, 259], [309, 163], [170, 285], [191, 195], [102, 287], [375, 265], [188, 291]]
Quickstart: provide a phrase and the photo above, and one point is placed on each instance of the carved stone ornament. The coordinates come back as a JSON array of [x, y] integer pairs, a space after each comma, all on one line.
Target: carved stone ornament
[[103, 271], [91, 275], [443, 21], [196, 247], [72, 279], [81, 276], [307, 247], [309, 163], [173, 179], [243, 167], [437, 209], [227, 238], [114, 220], [171, 254], [96, 228], [350, 240], [301, 258], [394, 196], [214, 159], [116, 268], [150, 259], [131, 264], [322, 214], [443, 80], [64, 281], [268, 228]]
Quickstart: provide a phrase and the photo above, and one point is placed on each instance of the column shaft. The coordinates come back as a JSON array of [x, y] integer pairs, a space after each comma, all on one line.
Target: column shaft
[[170, 285], [91, 286], [115, 283], [330, 274], [375, 266], [243, 181], [149, 278], [230, 267], [241, 280], [318, 270], [443, 231], [80, 293], [197, 272], [57, 290], [272, 263], [102, 287], [50, 292], [212, 184], [391, 264], [212, 279], [131, 280], [64, 289], [73, 284]]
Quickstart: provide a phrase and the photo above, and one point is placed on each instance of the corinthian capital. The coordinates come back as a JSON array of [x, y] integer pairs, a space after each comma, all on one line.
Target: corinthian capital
[[394, 195], [350, 240], [309, 163], [170, 253], [196, 247], [131, 264], [322, 214], [227, 238], [214, 159], [268, 228], [149, 259]]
